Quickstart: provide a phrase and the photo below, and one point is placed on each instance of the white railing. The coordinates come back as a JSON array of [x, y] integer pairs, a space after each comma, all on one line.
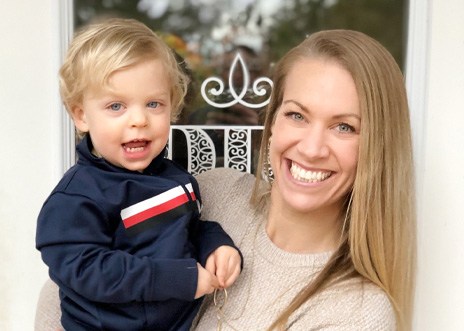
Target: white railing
[[211, 146]]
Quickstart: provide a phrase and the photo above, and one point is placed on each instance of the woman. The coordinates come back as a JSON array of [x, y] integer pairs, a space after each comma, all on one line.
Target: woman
[[328, 230]]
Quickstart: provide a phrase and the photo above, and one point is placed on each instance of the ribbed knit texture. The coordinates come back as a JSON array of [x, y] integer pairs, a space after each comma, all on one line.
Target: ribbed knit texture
[[272, 277]]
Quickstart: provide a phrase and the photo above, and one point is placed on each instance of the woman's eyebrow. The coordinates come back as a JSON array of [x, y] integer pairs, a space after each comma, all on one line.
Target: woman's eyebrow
[[338, 116], [296, 103], [356, 116]]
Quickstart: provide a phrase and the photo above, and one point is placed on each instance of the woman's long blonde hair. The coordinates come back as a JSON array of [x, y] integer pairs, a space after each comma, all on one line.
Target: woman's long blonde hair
[[379, 238]]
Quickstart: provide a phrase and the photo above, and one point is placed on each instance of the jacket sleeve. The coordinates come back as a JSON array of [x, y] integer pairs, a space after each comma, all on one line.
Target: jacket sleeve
[[207, 236], [75, 240]]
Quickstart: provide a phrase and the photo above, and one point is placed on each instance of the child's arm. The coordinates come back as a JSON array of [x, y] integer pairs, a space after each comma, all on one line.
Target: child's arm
[[218, 253], [207, 236], [216, 249], [76, 242]]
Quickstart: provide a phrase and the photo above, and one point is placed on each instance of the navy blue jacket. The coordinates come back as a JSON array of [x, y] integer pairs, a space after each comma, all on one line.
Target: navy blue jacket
[[123, 245]]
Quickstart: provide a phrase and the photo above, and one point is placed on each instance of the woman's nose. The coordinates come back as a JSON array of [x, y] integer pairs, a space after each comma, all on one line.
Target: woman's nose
[[314, 143]]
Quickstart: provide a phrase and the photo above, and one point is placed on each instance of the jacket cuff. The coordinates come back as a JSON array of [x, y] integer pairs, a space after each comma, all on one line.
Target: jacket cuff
[[174, 279]]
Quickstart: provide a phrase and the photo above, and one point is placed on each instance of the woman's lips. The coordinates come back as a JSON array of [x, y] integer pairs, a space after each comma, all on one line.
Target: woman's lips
[[308, 176]]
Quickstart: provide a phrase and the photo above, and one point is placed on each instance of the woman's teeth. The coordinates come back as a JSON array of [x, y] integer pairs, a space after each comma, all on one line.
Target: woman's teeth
[[308, 176]]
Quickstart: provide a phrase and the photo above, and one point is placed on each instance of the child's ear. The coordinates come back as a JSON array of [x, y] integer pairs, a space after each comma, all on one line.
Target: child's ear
[[79, 119]]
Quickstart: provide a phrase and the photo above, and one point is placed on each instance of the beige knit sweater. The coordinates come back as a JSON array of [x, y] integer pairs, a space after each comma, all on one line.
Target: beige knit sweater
[[271, 277]]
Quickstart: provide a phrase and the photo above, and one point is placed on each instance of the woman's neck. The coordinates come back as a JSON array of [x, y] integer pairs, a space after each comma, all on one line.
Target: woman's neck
[[312, 232]]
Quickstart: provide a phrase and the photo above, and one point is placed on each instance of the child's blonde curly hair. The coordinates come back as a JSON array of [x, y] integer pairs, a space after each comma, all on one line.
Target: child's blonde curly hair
[[100, 49]]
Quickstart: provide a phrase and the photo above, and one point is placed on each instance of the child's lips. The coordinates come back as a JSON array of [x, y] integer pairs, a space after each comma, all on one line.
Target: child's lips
[[137, 145]]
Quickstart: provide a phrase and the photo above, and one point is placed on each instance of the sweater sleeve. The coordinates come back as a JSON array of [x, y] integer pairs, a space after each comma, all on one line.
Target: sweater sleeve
[[75, 240]]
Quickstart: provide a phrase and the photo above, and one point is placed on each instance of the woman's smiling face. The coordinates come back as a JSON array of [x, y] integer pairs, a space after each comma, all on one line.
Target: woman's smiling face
[[315, 137]]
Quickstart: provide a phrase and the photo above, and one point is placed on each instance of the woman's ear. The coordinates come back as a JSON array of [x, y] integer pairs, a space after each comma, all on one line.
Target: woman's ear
[[79, 118]]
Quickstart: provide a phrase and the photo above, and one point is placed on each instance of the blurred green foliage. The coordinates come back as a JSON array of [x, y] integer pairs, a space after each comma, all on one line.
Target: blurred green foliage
[[385, 20]]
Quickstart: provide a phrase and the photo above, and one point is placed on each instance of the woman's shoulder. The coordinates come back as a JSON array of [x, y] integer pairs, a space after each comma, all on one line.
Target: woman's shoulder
[[362, 305], [225, 195], [225, 185], [224, 176], [377, 308], [377, 312]]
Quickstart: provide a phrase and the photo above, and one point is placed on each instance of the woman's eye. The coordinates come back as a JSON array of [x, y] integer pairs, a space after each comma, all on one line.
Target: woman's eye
[[115, 106], [153, 104], [294, 116], [345, 128]]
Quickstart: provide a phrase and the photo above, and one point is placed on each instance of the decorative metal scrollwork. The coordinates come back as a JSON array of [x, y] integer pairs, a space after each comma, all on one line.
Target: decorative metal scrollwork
[[238, 150], [200, 149], [237, 98]]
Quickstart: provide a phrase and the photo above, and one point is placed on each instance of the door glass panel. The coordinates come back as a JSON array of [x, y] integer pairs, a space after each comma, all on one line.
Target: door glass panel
[[208, 34], [235, 43]]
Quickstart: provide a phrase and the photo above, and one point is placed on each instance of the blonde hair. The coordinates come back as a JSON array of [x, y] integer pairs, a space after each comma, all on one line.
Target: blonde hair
[[379, 235], [100, 49]]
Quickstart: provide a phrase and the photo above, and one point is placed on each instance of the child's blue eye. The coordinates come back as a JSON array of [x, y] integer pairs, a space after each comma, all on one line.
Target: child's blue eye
[[115, 106], [153, 104]]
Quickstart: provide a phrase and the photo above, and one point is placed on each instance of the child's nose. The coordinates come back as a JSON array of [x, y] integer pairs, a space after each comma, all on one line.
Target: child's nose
[[138, 117]]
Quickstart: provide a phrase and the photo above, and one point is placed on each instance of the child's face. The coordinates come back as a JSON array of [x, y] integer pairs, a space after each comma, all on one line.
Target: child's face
[[129, 121]]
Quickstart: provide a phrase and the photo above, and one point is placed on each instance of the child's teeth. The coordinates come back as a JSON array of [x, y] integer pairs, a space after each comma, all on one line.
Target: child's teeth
[[134, 149]]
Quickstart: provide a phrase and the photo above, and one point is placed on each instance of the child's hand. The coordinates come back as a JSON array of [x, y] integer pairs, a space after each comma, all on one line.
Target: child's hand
[[207, 282], [224, 262]]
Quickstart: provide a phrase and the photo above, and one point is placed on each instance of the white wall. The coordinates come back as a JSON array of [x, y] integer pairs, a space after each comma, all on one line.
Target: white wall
[[440, 291], [31, 157], [30, 153]]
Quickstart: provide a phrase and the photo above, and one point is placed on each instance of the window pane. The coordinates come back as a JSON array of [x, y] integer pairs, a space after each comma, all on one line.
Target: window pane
[[208, 33]]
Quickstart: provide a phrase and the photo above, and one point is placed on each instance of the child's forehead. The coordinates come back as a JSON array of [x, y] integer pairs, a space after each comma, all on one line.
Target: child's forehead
[[99, 67], [110, 88], [102, 79]]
